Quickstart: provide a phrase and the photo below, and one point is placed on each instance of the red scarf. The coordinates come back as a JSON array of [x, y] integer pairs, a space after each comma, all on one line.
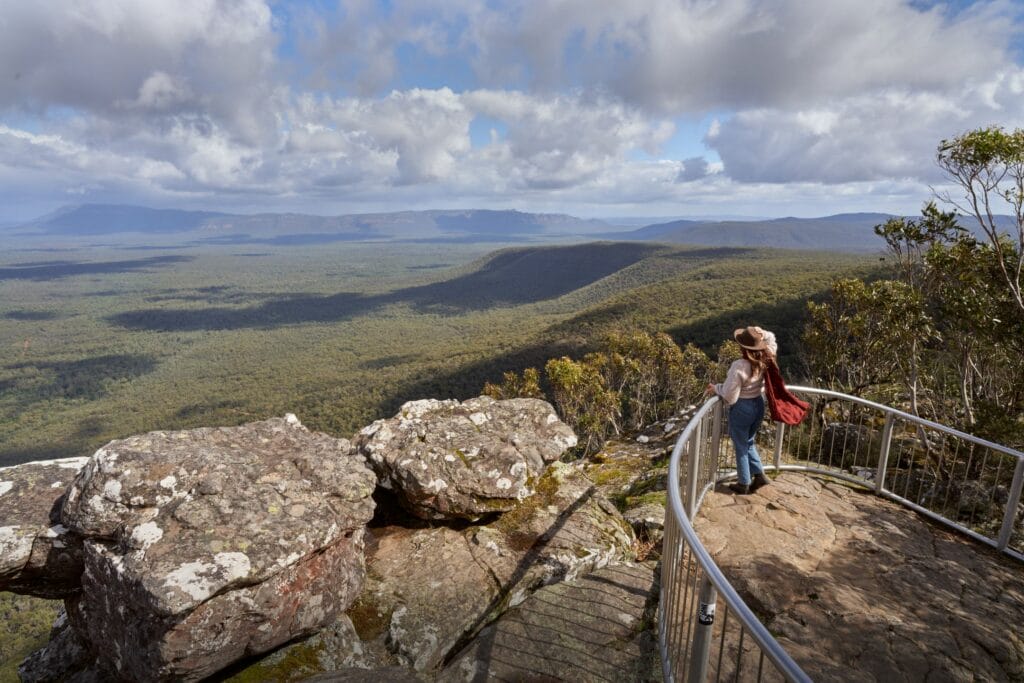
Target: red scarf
[[783, 405]]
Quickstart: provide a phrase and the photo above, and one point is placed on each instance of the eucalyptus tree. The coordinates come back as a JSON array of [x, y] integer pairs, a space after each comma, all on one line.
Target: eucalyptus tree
[[988, 166]]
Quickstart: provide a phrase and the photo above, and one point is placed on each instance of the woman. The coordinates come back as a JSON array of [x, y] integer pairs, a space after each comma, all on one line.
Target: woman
[[742, 391]]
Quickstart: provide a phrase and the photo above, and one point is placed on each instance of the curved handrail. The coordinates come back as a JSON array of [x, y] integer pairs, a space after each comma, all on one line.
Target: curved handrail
[[764, 638], [713, 576], [910, 417]]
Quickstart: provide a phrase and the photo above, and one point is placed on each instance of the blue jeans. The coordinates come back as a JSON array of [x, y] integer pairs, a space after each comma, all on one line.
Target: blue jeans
[[745, 417]]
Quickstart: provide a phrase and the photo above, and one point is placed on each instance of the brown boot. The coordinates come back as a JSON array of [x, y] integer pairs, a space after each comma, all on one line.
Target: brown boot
[[759, 481], [740, 489]]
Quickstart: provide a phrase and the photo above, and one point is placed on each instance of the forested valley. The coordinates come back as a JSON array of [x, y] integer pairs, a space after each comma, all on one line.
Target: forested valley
[[102, 343]]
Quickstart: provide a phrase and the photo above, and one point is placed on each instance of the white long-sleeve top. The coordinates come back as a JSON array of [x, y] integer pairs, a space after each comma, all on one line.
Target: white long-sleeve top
[[742, 381]]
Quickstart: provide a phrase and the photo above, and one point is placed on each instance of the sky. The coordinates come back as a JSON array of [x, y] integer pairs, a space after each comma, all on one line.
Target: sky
[[596, 108]]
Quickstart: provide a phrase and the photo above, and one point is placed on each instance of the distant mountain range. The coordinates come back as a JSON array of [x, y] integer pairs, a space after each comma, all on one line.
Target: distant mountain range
[[292, 228], [173, 227], [841, 232]]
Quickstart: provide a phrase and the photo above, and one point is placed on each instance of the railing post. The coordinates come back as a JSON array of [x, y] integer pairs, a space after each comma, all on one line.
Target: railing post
[[716, 434], [1011, 506], [669, 590], [701, 645], [780, 432], [883, 453], [692, 466]]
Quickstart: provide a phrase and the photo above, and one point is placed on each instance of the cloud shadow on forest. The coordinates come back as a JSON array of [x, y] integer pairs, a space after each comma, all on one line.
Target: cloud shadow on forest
[[17, 455], [85, 378], [509, 278], [710, 252], [582, 334], [24, 315], [56, 270]]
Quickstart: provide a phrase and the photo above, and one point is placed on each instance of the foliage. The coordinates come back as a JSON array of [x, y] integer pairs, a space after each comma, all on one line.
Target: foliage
[[944, 334], [988, 165], [866, 334], [637, 378], [652, 375], [514, 385], [584, 399], [25, 624]]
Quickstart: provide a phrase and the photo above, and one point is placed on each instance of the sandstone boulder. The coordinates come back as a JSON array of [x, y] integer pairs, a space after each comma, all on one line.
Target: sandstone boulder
[[428, 590], [448, 460], [37, 554], [208, 545]]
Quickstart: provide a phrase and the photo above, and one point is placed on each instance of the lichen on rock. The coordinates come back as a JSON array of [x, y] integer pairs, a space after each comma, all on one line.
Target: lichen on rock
[[38, 554], [208, 545], [451, 459]]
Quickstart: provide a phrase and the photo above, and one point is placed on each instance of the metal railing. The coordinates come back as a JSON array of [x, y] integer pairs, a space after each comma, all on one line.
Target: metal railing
[[707, 632]]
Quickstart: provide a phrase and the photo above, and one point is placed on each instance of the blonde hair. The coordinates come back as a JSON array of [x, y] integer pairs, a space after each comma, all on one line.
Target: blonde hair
[[758, 359]]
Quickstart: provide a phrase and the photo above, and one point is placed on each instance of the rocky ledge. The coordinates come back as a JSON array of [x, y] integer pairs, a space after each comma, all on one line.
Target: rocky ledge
[[204, 546], [179, 554]]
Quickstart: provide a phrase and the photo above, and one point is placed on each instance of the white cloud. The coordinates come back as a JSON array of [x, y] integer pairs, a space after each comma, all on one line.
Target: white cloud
[[556, 142], [874, 136], [21, 149], [222, 99], [161, 91], [675, 57], [94, 55]]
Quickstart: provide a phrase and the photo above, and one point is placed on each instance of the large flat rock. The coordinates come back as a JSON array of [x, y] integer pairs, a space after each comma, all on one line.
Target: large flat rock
[[208, 545], [858, 588], [38, 556]]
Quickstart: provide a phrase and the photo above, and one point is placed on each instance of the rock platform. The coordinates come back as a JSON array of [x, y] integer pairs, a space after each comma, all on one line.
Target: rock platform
[[594, 628], [858, 588]]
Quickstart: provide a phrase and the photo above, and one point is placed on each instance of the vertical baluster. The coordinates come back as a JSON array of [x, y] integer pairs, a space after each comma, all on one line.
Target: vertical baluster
[[721, 643], [692, 470], [679, 609], [949, 484], [739, 654], [910, 474], [924, 470], [669, 589], [883, 455], [981, 475], [963, 483], [780, 433], [688, 612], [1011, 506]]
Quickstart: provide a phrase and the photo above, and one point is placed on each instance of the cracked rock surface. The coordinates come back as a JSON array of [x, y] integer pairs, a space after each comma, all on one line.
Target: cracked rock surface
[[427, 590], [858, 588], [207, 545], [451, 459], [38, 556], [594, 628]]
